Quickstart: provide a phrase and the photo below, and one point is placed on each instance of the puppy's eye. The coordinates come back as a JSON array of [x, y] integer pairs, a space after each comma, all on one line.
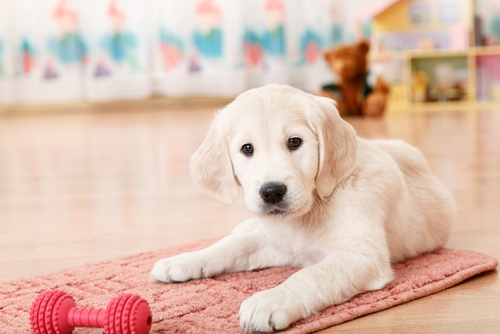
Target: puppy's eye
[[294, 143], [247, 150]]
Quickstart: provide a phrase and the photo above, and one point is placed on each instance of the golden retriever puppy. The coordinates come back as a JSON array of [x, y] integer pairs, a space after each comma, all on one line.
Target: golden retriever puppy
[[341, 207]]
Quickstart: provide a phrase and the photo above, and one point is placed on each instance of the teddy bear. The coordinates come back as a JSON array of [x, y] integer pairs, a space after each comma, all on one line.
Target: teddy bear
[[355, 92]]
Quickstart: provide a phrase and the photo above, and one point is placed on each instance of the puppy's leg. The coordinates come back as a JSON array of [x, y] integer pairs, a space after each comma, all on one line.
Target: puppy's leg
[[342, 275], [246, 249]]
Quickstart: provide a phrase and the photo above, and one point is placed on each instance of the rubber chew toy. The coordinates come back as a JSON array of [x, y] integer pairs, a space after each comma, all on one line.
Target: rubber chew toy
[[54, 312]]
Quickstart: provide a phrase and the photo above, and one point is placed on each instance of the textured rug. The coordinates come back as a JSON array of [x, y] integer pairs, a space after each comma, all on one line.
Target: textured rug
[[211, 305]]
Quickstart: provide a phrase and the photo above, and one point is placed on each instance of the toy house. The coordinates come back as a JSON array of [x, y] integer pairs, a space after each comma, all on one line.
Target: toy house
[[437, 50]]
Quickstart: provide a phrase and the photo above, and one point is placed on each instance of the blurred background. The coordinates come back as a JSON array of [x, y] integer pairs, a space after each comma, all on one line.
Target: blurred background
[[102, 50], [73, 51]]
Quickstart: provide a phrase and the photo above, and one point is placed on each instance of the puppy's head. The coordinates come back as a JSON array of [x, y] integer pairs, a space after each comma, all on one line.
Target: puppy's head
[[282, 146]]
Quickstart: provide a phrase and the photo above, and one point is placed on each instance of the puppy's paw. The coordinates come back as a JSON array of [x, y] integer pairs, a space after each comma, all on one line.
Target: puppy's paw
[[268, 311], [179, 268]]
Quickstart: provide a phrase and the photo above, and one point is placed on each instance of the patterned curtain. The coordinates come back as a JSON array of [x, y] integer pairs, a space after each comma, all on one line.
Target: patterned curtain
[[56, 51]]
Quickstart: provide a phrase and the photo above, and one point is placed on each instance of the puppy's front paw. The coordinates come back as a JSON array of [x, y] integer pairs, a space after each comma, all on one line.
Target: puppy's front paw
[[268, 311], [179, 268]]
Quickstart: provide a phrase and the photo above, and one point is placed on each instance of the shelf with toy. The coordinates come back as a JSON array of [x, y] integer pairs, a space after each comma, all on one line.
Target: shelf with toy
[[440, 79], [427, 76], [476, 74], [450, 50]]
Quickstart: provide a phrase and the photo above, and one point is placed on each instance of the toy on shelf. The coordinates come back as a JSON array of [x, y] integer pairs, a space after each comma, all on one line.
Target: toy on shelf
[[446, 82], [54, 312], [440, 79], [356, 92], [420, 86]]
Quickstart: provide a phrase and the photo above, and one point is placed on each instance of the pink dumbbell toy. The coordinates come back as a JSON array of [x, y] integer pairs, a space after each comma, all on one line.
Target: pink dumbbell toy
[[54, 312]]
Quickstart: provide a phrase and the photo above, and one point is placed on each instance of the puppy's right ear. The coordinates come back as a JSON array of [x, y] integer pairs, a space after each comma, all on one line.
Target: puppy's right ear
[[211, 167]]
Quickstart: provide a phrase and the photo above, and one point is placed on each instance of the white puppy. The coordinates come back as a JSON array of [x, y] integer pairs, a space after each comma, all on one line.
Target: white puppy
[[342, 207]]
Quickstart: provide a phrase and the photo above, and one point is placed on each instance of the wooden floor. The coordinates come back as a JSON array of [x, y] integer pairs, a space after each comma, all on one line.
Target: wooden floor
[[92, 186]]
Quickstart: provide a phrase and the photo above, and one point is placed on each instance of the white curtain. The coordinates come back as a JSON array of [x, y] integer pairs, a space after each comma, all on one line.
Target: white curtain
[[56, 51]]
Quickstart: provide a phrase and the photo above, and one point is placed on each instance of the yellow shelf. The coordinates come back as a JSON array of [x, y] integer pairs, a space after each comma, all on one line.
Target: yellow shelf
[[406, 88], [486, 50], [393, 19], [443, 106], [472, 51], [437, 54]]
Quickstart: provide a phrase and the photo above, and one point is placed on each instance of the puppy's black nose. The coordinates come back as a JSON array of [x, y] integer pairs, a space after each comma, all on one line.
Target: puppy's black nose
[[273, 193]]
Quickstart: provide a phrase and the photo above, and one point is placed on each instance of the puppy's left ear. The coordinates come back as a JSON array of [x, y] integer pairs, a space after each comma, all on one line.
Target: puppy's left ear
[[211, 167], [338, 145]]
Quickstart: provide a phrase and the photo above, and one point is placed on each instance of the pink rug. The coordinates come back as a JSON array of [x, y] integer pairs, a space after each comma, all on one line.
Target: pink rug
[[211, 305]]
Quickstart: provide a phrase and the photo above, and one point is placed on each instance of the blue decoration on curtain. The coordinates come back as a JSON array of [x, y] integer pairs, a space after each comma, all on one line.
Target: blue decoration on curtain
[[209, 44], [69, 48], [273, 41], [119, 45]]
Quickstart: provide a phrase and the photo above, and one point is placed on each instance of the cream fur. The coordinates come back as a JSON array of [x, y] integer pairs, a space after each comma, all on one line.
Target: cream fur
[[351, 208]]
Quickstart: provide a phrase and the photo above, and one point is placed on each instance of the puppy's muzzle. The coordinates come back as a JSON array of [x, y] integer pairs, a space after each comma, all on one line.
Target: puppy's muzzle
[[272, 193]]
